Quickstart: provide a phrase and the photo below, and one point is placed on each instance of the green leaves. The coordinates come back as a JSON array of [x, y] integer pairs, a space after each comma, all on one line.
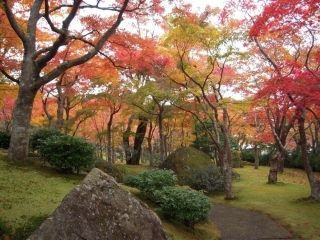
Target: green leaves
[[68, 153], [185, 205], [151, 181]]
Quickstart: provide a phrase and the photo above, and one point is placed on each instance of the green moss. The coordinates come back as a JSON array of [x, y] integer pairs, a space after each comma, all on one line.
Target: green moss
[[185, 159], [132, 170], [283, 201], [30, 192]]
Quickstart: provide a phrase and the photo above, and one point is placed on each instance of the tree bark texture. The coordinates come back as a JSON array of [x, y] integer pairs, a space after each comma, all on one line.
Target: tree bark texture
[[138, 140], [313, 181]]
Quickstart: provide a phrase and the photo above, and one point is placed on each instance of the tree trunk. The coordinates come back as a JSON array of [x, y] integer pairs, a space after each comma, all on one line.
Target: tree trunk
[[113, 148], [60, 105], [19, 143], [149, 139], [126, 140], [161, 136], [256, 157], [138, 140], [273, 172], [226, 158], [109, 140], [313, 182], [280, 160]]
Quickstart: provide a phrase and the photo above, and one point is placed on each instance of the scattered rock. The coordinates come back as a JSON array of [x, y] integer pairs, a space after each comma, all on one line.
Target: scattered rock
[[100, 209]]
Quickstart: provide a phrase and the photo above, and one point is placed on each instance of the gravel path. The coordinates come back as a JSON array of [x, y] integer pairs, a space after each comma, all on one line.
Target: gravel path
[[240, 224]]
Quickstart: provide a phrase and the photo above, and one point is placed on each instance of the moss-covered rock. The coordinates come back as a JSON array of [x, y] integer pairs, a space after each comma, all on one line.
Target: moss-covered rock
[[185, 160]]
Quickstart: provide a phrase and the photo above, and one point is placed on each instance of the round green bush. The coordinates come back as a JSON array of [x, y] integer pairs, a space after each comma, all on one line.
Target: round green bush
[[150, 181], [195, 168], [40, 135], [4, 140], [68, 153], [184, 160], [185, 205], [209, 179]]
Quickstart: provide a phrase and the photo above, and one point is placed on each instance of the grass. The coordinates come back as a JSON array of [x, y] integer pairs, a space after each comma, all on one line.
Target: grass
[[131, 170], [285, 202], [29, 194]]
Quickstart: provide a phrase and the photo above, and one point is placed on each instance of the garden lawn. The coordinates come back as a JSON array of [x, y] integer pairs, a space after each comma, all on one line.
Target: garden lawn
[[131, 170], [29, 193], [284, 202]]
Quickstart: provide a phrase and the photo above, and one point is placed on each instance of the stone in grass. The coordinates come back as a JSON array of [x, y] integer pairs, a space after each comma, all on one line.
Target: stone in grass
[[99, 209]]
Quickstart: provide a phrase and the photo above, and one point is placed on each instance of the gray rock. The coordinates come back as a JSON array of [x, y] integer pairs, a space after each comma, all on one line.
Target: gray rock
[[100, 209]]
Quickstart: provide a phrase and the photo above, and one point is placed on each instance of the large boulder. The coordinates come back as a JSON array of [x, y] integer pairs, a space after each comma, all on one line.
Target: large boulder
[[187, 159], [100, 209]]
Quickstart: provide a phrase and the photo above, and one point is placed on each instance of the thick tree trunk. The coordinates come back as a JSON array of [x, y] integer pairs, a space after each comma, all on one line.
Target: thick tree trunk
[[281, 158], [313, 182], [19, 143], [273, 172], [256, 157], [138, 140], [126, 140], [226, 159]]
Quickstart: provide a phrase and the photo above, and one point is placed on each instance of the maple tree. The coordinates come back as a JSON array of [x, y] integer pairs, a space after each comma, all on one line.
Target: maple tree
[[203, 71], [292, 26], [37, 54]]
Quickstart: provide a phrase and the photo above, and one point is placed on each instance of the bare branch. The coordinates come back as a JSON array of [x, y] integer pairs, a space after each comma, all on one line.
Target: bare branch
[[14, 24], [80, 60], [7, 75]]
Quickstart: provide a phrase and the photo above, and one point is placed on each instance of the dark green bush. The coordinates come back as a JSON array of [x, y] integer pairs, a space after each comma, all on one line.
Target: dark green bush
[[315, 160], [295, 160], [41, 135], [113, 170], [150, 181], [186, 206], [247, 155], [209, 179], [68, 153], [4, 140]]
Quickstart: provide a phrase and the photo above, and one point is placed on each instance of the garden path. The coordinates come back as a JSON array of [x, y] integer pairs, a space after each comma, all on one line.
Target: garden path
[[241, 224]]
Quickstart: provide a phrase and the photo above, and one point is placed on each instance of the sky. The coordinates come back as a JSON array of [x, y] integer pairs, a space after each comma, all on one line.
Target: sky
[[201, 4]]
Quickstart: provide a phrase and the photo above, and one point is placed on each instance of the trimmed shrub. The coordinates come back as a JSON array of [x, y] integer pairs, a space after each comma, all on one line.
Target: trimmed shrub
[[186, 206], [68, 154], [40, 135], [209, 179], [150, 181], [113, 170], [4, 140]]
